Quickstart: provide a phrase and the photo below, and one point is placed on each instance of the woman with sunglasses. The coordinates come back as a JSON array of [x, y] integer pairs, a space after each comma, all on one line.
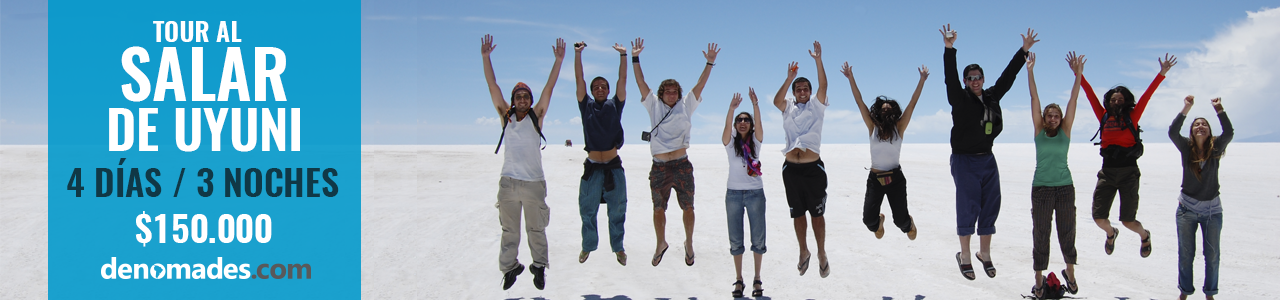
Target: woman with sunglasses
[[742, 136], [1198, 204], [885, 125]]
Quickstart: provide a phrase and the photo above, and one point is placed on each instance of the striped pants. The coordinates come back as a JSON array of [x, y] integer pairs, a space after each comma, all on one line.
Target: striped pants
[[1048, 203]]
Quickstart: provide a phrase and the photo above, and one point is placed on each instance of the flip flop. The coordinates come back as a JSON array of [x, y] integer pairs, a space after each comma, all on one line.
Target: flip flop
[[657, 258], [965, 269], [880, 231], [622, 258], [804, 264], [1110, 244], [758, 291], [987, 266], [824, 268], [582, 257], [688, 254], [1146, 245], [1071, 286]]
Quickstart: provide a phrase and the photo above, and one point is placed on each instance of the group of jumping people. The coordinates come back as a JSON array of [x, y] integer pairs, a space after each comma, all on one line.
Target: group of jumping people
[[976, 122]]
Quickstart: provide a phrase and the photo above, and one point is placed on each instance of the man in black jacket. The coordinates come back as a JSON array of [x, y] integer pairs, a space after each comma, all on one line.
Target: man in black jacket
[[976, 121]]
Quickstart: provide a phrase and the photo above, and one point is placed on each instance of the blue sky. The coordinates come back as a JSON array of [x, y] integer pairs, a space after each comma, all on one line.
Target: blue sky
[[422, 81]]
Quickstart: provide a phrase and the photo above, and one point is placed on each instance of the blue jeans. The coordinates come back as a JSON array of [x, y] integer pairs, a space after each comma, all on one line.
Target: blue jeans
[[1211, 226], [752, 202], [977, 180], [590, 192]]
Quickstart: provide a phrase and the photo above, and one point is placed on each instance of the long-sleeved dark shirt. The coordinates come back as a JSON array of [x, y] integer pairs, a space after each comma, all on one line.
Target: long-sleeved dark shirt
[[1205, 186], [968, 134]]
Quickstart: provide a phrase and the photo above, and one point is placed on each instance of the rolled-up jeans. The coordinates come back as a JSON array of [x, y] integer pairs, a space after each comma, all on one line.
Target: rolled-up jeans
[[752, 202], [1211, 230]]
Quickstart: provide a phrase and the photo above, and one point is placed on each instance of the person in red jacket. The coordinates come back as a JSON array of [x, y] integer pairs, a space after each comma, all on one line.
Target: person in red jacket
[[1121, 148]]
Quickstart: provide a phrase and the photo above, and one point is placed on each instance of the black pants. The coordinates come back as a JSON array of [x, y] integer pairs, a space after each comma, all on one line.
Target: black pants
[[1047, 204], [896, 190]]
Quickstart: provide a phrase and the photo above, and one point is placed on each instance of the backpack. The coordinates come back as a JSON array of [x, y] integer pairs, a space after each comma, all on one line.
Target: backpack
[[507, 118], [1053, 289], [1134, 151]]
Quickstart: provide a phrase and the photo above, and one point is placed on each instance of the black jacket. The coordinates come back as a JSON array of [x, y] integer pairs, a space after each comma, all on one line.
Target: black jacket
[[968, 134]]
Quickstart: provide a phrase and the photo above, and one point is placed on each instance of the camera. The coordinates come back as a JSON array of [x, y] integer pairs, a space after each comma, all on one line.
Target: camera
[[576, 45], [644, 136]]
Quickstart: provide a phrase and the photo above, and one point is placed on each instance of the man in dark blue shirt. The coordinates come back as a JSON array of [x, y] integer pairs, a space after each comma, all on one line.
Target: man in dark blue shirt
[[603, 179]]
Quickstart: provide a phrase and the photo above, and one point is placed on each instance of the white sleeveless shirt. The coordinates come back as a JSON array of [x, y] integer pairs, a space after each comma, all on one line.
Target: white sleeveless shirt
[[522, 159], [885, 155]]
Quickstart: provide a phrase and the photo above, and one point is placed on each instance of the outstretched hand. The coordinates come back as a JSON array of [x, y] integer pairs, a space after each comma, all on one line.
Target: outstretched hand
[[486, 45], [792, 70], [816, 53], [620, 48], [737, 99], [637, 46], [711, 52], [948, 35], [924, 72], [1029, 39], [1076, 62], [558, 49], [846, 70], [1167, 63], [752, 92]]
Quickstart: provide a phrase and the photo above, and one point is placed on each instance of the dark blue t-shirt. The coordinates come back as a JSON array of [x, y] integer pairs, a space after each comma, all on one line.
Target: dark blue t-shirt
[[601, 123]]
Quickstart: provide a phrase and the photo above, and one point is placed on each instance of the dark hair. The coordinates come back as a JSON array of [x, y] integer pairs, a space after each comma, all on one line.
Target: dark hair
[[886, 122], [669, 82], [598, 78], [972, 67], [1128, 99], [1201, 153], [799, 80], [520, 87], [751, 133]]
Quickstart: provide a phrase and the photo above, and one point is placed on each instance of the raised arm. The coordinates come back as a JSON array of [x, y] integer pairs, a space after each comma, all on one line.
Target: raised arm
[[544, 101], [780, 100], [636, 47], [577, 69], [621, 90], [1098, 109], [857, 97], [1077, 66], [951, 77], [816, 53], [1036, 119], [1228, 132], [755, 106], [728, 119], [911, 107], [495, 93], [710, 55], [1167, 63], [1175, 135]]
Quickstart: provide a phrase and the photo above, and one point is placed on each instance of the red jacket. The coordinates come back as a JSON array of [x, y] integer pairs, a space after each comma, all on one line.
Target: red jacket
[[1114, 132]]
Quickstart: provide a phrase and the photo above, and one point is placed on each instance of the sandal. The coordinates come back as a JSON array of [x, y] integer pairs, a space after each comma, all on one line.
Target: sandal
[[622, 258], [965, 269], [657, 258], [582, 257], [1146, 245], [824, 268], [688, 254], [1110, 245], [758, 291], [804, 264], [1070, 285], [880, 232], [987, 266], [737, 288]]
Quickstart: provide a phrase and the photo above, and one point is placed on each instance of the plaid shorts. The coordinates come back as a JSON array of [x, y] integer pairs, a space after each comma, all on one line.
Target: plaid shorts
[[674, 174]]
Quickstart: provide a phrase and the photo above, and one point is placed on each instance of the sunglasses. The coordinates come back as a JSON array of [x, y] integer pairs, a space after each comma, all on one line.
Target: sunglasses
[[973, 78], [742, 120]]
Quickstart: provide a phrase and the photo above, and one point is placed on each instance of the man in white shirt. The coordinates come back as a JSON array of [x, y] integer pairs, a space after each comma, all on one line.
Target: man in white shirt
[[803, 174]]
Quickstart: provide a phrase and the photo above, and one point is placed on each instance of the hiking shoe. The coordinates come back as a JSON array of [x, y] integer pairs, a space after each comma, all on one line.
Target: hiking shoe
[[880, 231], [509, 278], [538, 280]]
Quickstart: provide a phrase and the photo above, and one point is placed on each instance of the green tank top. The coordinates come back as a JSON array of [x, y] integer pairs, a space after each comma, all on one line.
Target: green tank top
[[1051, 160]]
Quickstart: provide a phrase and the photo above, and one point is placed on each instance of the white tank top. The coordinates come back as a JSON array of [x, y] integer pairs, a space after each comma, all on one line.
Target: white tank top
[[522, 159], [885, 155]]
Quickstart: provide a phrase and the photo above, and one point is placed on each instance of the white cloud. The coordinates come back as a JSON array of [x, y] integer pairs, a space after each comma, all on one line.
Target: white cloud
[[488, 121], [1240, 65], [575, 120]]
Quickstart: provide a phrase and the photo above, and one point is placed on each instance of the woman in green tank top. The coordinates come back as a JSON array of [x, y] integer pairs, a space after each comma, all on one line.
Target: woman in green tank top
[[1052, 192]]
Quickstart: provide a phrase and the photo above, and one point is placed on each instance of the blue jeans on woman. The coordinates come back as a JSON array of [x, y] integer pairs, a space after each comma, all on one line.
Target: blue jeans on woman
[[752, 202], [1211, 229]]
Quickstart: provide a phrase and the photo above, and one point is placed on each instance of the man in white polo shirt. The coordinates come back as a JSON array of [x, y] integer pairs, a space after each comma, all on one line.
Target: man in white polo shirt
[[803, 174]]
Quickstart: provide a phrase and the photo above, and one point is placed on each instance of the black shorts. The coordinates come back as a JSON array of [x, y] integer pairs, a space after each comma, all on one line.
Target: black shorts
[[1122, 180], [806, 185]]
